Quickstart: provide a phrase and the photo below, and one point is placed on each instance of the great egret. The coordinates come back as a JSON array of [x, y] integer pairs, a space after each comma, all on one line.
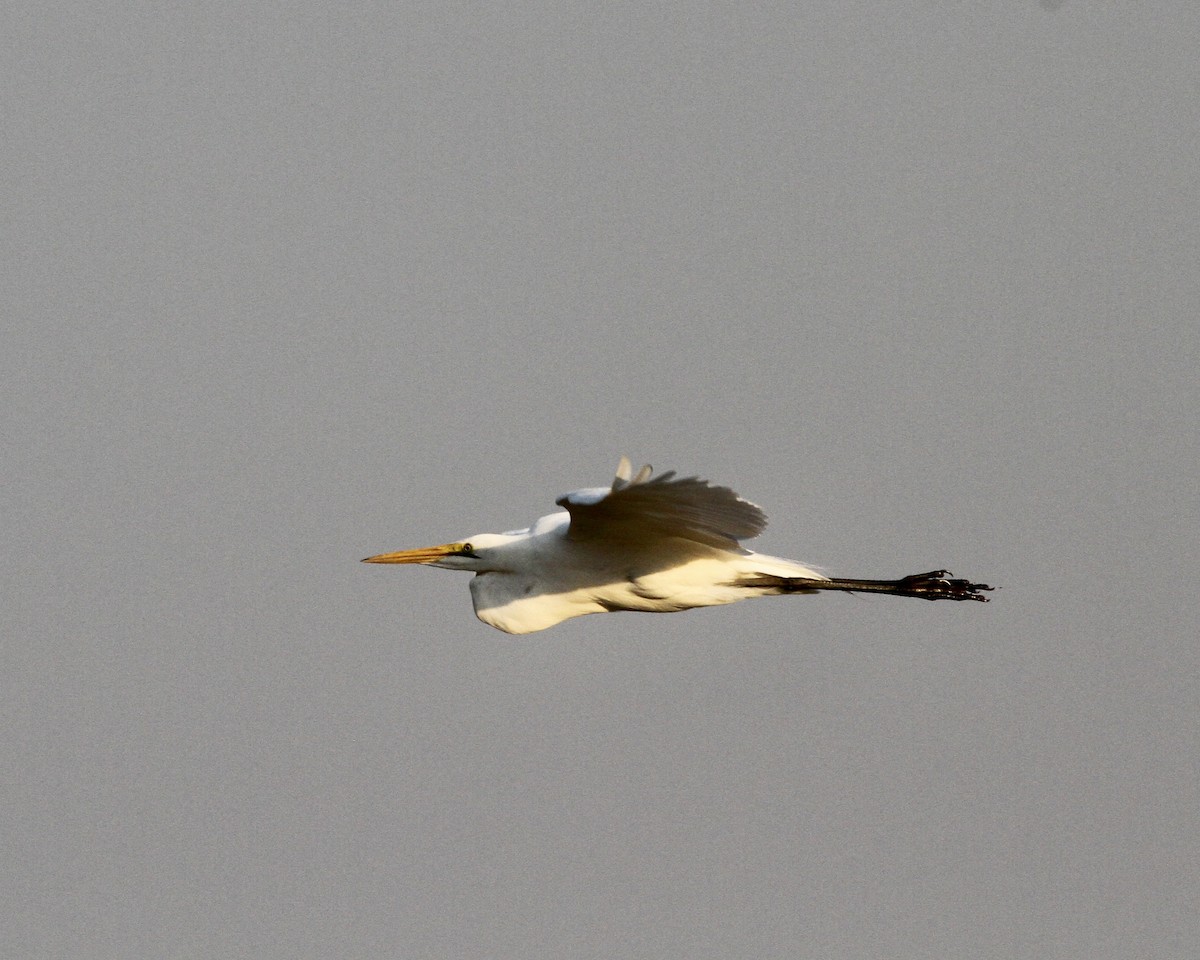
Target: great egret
[[655, 544]]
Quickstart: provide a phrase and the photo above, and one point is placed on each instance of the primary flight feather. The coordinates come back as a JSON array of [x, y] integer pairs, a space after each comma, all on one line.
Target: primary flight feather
[[653, 544]]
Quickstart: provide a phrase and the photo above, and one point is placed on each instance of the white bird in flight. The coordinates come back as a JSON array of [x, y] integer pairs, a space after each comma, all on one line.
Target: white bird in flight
[[655, 544]]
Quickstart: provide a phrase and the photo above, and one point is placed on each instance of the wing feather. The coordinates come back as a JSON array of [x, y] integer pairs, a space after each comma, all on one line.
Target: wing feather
[[640, 507]]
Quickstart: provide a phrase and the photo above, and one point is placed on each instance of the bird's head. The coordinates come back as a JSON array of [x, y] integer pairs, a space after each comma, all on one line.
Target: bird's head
[[475, 554]]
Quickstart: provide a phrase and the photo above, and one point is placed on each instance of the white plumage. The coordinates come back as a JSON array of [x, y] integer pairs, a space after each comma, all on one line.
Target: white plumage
[[652, 544]]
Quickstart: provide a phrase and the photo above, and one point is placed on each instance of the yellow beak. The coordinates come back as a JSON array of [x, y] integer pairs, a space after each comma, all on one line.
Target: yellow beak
[[420, 555]]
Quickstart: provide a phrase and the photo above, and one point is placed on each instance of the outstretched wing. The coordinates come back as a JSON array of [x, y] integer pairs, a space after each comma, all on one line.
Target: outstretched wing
[[644, 507]]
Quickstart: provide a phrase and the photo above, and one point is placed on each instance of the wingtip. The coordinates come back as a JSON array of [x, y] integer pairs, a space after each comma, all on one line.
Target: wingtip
[[624, 472], [627, 478]]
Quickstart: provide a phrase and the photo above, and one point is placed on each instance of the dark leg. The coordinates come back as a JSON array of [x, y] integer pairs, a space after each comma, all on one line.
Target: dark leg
[[935, 585]]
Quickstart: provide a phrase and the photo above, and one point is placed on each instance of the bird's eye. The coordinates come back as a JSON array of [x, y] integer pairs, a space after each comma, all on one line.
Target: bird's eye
[[466, 548]]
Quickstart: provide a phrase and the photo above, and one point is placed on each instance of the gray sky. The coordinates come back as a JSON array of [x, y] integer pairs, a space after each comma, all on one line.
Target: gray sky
[[287, 285]]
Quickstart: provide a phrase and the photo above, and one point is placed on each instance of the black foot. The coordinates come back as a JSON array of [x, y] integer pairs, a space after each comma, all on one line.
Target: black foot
[[939, 585]]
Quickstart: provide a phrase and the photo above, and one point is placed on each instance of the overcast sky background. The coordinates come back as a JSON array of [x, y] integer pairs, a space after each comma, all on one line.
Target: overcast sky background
[[290, 284]]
